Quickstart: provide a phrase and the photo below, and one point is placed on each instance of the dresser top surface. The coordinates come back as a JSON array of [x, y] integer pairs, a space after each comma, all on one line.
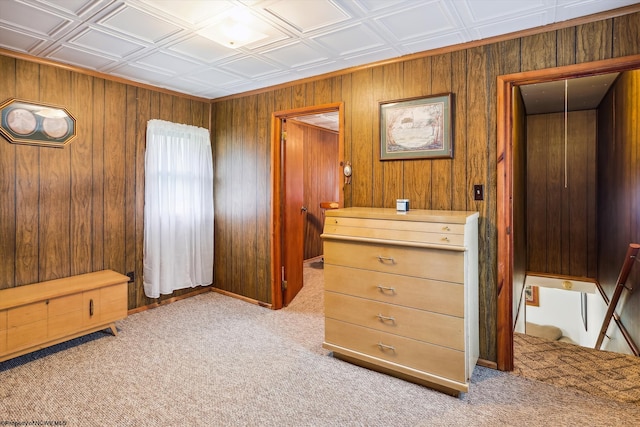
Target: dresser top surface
[[455, 217]]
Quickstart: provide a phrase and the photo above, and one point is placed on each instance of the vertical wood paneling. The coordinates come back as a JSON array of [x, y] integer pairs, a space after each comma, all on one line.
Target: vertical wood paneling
[[477, 153], [536, 188], [594, 41], [27, 191], [8, 227], [114, 182], [130, 189], [377, 188], [624, 28], [322, 92], [362, 115], [618, 207], [249, 198], [235, 202], [55, 186], [539, 51], [557, 230], [263, 196], [77, 209], [393, 171], [346, 95], [417, 184], [441, 195], [566, 39], [223, 174], [561, 219], [98, 175], [320, 163], [139, 299], [463, 193], [81, 170]]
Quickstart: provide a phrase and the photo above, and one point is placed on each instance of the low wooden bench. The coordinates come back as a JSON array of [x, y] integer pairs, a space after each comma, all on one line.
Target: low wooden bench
[[42, 314]]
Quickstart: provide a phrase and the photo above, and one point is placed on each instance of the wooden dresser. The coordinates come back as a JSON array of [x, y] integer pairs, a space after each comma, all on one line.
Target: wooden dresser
[[47, 313], [401, 293]]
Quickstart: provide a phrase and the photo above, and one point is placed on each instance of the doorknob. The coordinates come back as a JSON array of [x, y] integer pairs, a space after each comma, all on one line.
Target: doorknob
[[303, 209]]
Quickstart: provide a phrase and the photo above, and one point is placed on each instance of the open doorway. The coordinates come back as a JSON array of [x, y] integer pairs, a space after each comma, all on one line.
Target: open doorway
[[511, 203], [298, 183]]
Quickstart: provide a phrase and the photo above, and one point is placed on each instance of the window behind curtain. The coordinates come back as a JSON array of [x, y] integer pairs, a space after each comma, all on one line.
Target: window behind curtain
[[178, 208]]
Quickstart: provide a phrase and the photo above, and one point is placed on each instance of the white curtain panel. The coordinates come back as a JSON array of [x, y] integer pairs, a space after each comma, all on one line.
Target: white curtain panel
[[178, 208]]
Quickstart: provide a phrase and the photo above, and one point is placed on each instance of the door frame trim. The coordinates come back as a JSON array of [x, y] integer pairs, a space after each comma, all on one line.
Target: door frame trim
[[275, 228], [504, 219]]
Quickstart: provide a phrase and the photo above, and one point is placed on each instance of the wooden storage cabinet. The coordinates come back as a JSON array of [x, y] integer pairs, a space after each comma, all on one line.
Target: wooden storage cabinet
[[401, 293], [42, 314]]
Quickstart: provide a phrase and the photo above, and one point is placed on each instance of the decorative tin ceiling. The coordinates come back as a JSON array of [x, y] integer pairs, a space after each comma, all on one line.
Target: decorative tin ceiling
[[167, 43]]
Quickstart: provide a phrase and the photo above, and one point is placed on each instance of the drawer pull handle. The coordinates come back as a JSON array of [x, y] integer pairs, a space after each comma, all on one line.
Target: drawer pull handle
[[91, 307], [382, 259], [385, 289], [445, 239], [385, 347], [446, 228], [385, 319]]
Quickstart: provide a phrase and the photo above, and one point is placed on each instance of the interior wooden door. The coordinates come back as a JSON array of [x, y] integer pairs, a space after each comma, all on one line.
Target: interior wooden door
[[294, 211]]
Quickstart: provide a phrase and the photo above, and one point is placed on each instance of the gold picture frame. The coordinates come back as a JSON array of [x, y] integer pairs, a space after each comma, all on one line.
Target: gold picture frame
[[416, 128], [532, 296], [31, 123]]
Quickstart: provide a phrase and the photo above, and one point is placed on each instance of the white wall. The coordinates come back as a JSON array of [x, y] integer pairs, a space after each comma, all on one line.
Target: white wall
[[562, 308]]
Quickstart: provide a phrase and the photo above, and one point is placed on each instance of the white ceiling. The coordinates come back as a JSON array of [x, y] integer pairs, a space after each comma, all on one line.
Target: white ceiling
[[159, 42]]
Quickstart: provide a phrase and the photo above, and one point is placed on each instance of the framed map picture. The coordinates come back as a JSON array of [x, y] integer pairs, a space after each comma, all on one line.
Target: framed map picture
[[24, 122], [416, 128]]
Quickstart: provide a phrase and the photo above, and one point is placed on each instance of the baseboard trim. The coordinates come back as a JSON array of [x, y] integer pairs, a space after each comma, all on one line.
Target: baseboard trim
[[487, 364], [242, 298], [170, 300]]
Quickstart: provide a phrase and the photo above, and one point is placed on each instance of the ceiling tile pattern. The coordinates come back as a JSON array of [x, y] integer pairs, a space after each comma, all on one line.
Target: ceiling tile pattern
[[164, 42]]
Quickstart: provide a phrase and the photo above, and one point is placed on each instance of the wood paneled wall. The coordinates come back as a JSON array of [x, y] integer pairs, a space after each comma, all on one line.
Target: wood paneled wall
[[242, 141], [320, 148], [619, 196], [72, 210], [561, 194]]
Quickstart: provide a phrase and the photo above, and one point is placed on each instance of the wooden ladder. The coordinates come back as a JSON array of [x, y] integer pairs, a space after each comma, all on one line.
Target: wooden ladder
[[630, 257]]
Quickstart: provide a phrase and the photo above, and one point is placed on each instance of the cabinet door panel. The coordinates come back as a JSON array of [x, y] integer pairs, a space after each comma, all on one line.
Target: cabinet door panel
[[26, 314], [65, 315], [3, 342], [113, 302], [65, 324], [91, 308], [63, 305], [26, 335], [3, 320]]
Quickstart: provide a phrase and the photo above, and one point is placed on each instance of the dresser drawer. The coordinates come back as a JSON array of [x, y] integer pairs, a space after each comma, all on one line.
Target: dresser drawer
[[439, 329], [447, 239], [424, 294], [418, 226], [438, 264], [421, 356]]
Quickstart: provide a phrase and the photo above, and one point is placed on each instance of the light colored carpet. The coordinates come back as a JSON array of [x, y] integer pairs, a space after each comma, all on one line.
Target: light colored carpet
[[212, 360]]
